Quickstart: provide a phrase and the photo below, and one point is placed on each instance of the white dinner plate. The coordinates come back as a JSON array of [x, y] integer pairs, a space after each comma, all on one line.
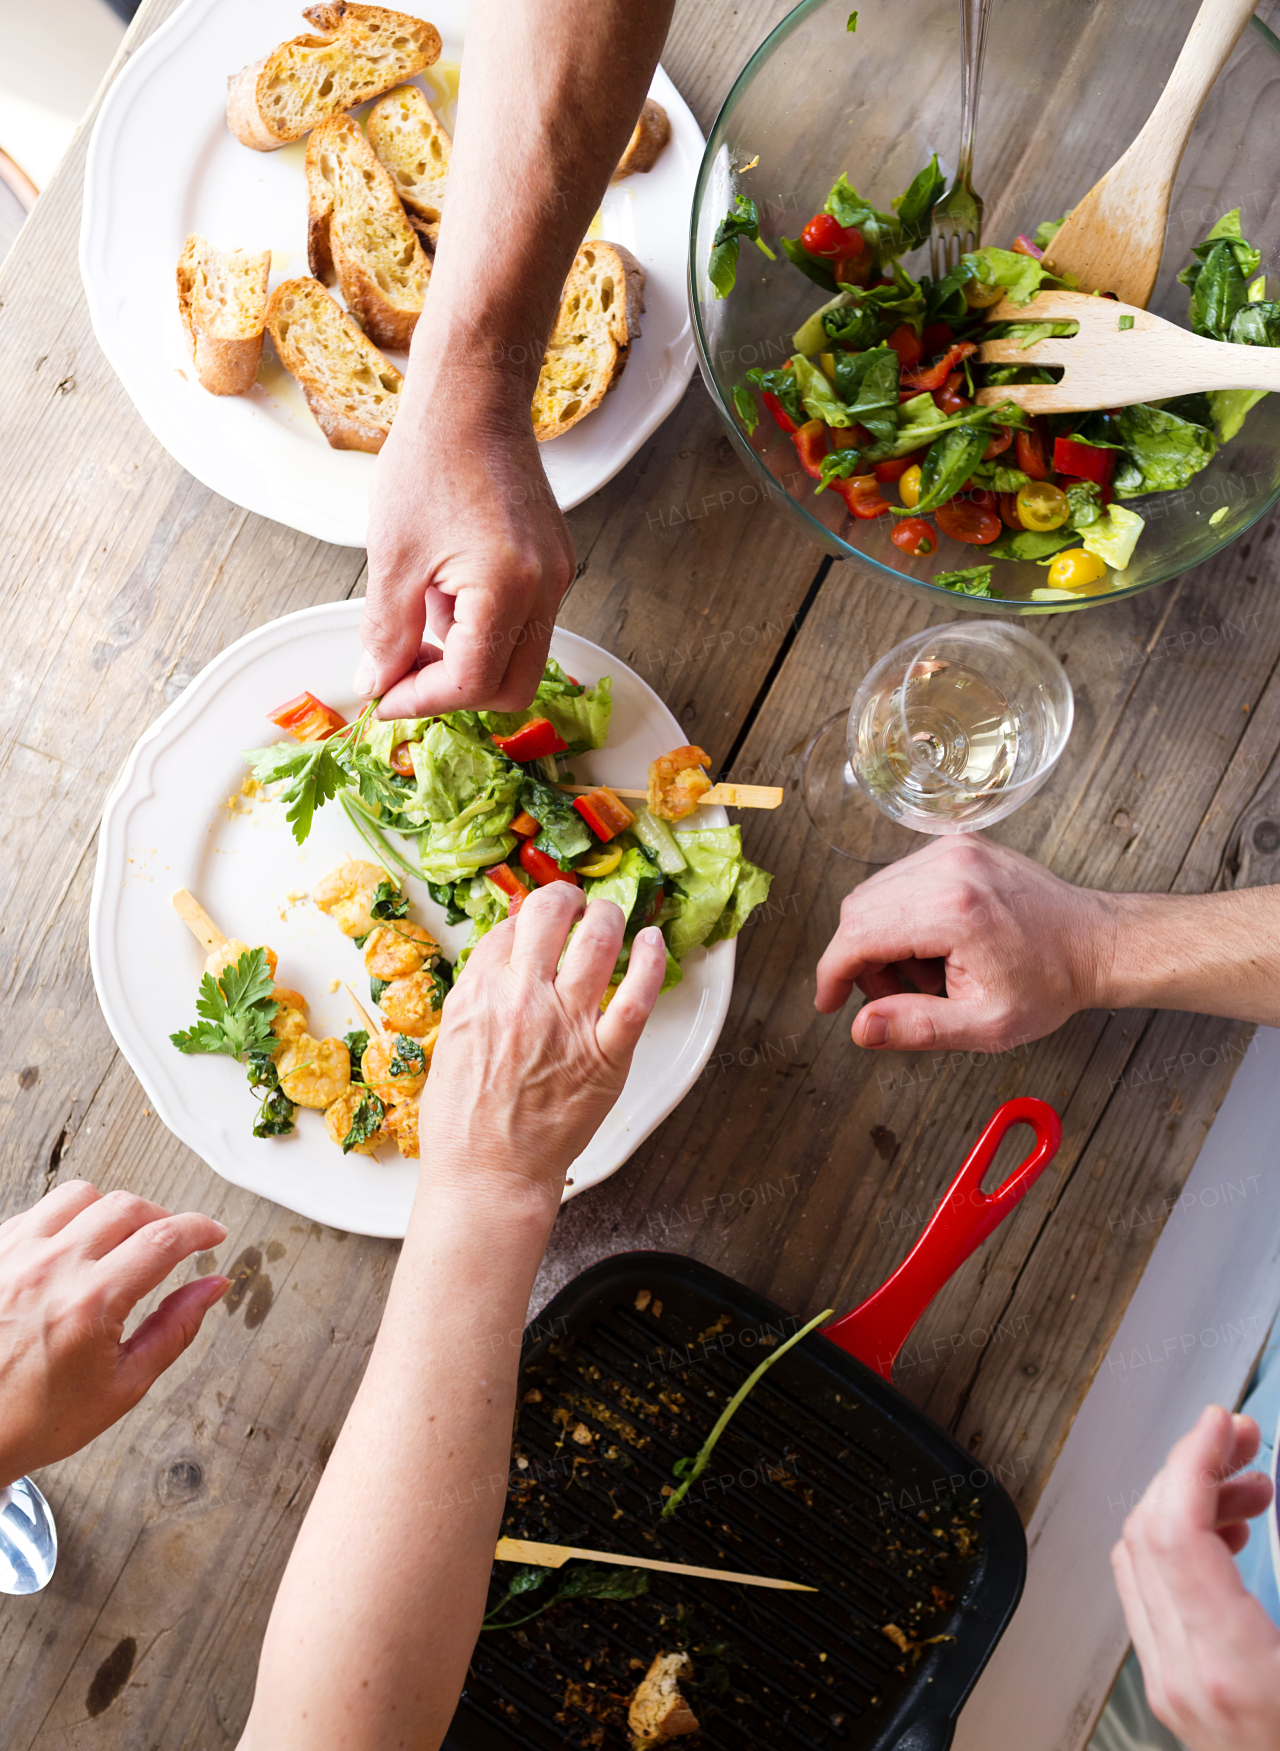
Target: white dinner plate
[[175, 819], [162, 164]]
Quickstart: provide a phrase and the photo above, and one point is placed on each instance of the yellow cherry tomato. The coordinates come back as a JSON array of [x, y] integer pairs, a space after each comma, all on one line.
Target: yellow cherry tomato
[[1042, 506], [602, 865], [1075, 568], [909, 486]]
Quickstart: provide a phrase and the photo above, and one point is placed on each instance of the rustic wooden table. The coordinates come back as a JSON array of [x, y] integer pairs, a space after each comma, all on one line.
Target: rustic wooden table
[[798, 1164]]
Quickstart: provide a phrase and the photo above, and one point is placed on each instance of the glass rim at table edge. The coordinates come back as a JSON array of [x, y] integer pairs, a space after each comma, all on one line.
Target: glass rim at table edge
[[911, 651], [998, 606]]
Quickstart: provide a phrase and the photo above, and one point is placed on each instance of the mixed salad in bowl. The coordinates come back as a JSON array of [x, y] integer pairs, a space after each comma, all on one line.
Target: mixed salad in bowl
[[478, 805], [879, 393]]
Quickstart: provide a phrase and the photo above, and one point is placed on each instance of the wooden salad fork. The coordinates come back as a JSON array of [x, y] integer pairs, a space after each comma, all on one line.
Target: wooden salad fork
[[1119, 355], [1112, 241]]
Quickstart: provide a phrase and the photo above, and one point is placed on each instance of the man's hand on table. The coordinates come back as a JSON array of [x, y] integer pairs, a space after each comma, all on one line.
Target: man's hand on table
[[1210, 1654], [1015, 949], [72, 1269], [466, 539]]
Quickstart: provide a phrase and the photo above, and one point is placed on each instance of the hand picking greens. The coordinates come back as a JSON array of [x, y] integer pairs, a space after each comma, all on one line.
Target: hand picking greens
[[470, 803], [880, 389]]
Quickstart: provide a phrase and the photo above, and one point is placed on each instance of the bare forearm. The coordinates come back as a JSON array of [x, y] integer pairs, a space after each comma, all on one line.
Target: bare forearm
[[550, 93], [1217, 954], [389, 1574]]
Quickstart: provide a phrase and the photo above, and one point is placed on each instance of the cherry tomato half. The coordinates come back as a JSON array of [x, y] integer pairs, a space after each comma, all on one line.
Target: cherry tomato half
[[1030, 451], [964, 521], [401, 760], [825, 236], [1009, 511], [915, 536], [908, 346], [1001, 438], [1042, 506]]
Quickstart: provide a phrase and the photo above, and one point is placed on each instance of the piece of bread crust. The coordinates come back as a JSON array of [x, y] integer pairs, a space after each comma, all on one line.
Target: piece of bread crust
[[599, 317], [222, 298], [358, 234], [414, 146], [658, 1711], [652, 132], [360, 51], [351, 389]]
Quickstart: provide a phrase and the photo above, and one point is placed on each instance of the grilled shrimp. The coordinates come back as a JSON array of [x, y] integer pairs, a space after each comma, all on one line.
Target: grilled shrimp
[[384, 1050], [677, 783], [315, 1073], [346, 894], [402, 1122], [396, 949], [289, 1023], [218, 959], [408, 1005], [338, 1118]]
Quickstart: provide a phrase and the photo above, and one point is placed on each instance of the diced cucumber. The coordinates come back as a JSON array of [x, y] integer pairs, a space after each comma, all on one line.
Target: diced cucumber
[[658, 839]]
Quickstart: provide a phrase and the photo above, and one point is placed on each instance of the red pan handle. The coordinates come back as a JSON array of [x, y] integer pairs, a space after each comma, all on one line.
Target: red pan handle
[[877, 1330]]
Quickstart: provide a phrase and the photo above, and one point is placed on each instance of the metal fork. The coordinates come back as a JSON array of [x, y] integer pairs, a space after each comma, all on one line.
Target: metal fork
[[957, 218]]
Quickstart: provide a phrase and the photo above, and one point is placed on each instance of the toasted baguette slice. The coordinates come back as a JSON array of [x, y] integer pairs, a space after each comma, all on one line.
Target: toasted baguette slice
[[360, 51], [414, 145], [599, 318], [353, 391], [652, 132], [658, 1711], [358, 234], [222, 297]]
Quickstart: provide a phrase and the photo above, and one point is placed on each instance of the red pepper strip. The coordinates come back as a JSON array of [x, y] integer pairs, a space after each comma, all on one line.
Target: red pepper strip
[[934, 376], [544, 869], [779, 412], [1082, 461], [811, 446], [532, 741], [861, 492], [897, 466], [503, 876], [948, 399], [307, 718], [936, 338], [525, 825], [603, 812]]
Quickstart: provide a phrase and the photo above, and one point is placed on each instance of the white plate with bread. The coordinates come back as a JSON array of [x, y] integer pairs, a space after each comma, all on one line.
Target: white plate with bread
[[178, 818], [195, 240]]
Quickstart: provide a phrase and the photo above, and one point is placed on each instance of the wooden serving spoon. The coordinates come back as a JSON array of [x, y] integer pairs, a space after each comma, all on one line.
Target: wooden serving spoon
[[1112, 241], [1120, 355]]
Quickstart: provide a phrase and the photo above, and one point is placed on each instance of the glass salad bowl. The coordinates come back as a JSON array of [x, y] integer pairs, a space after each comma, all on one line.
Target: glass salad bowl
[[1066, 86]]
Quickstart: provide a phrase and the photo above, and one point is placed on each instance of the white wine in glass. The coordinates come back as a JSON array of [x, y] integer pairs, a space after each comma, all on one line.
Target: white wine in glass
[[952, 730]]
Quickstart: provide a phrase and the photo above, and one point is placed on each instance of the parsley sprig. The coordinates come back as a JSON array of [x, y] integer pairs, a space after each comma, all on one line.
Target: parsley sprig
[[236, 1009], [314, 772]]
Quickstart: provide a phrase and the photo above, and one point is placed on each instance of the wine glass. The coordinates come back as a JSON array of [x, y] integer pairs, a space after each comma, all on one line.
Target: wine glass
[[951, 731], [28, 1539]]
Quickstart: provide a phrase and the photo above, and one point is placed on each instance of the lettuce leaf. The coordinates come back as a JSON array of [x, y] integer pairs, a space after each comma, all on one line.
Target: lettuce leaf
[[974, 580], [750, 889], [1114, 536], [1020, 276], [868, 385], [718, 880], [820, 400]]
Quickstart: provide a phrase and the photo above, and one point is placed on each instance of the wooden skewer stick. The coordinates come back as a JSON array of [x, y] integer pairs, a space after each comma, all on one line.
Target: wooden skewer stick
[[555, 1556], [370, 1027], [731, 796], [197, 920]]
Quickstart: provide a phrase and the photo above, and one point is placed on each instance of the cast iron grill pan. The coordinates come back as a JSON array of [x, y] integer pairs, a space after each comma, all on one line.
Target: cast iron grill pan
[[826, 1475]]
